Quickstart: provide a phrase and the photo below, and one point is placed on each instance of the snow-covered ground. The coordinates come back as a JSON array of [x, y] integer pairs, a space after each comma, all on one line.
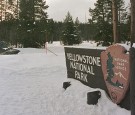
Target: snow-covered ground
[[31, 84]]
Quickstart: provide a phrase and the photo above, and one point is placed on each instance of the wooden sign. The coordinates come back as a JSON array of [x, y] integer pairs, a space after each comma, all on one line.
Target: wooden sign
[[85, 65], [115, 67]]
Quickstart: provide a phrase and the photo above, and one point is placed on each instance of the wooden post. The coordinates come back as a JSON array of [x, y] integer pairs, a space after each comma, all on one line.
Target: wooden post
[[132, 59], [132, 80], [132, 21]]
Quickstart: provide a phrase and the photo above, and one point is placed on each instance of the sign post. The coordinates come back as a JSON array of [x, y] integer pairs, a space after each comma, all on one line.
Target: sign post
[[132, 80]]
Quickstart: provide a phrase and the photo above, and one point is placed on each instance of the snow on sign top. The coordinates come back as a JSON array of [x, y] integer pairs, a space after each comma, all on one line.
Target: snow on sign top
[[115, 67]]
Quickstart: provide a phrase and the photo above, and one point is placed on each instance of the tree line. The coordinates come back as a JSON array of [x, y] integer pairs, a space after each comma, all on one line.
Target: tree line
[[26, 23]]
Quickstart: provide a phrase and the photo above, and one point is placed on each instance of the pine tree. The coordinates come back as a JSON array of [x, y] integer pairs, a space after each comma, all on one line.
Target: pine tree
[[33, 22], [26, 24], [39, 10], [40, 17], [70, 34], [123, 18], [2, 10], [77, 32], [11, 9], [50, 30], [102, 17]]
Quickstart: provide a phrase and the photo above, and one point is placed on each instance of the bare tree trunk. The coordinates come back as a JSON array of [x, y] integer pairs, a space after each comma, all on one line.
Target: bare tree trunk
[[17, 9], [119, 23], [5, 10], [1, 10], [132, 21], [115, 21]]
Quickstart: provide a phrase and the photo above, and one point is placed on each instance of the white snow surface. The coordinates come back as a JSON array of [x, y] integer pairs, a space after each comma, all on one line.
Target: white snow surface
[[31, 84]]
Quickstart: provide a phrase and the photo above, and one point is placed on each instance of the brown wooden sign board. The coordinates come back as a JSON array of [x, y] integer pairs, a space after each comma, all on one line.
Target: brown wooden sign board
[[91, 74], [115, 66], [84, 65]]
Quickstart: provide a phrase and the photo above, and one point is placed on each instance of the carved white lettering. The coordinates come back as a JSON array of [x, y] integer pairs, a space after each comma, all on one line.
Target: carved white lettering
[[81, 76]]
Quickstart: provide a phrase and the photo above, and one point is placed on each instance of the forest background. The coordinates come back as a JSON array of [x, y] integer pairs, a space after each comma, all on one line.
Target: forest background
[[25, 23]]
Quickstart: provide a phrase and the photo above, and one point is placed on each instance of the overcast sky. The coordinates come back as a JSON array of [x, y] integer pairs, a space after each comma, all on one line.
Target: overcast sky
[[77, 8]]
